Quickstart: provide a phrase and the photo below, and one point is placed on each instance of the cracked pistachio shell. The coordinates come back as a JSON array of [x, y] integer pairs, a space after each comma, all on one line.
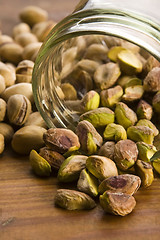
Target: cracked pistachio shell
[[151, 82], [90, 101], [144, 110], [24, 71], [18, 109], [129, 62], [107, 150], [99, 117], [28, 138], [2, 109], [114, 132], [101, 167], [155, 159], [133, 93], [61, 140], [113, 52], [71, 167], [73, 200], [117, 203], [11, 52], [7, 131], [125, 116], [88, 136], [39, 165], [88, 183], [156, 102], [2, 144], [106, 75], [111, 96], [125, 154], [147, 123], [125, 183], [145, 172], [97, 52], [145, 151], [69, 91], [140, 134]]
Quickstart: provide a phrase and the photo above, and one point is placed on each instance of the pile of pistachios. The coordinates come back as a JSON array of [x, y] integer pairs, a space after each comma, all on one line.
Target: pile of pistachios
[[113, 86]]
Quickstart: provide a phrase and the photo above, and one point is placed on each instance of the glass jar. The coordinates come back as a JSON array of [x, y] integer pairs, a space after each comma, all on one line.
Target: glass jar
[[135, 21]]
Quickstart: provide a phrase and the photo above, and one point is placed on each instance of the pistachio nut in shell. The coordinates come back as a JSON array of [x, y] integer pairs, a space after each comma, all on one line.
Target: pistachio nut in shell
[[7, 131], [24, 71], [31, 50], [145, 172], [2, 109], [99, 117], [71, 167], [28, 138], [61, 140], [125, 183], [25, 38], [2, 144], [73, 200], [11, 52], [101, 167], [125, 154], [42, 29], [125, 116], [114, 132], [35, 118], [88, 136], [144, 110], [2, 84], [20, 28], [117, 203], [148, 123], [151, 82], [7, 74], [39, 165], [145, 151], [140, 134], [111, 96], [55, 159], [107, 150]]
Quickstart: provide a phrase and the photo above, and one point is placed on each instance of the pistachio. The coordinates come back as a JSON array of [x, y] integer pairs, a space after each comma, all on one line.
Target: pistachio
[[2, 109], [101, 167], [129, 63], [113, 52], [73, 200], [19, 88], [99, 117], [11, 52], [112, 41], [55, 159], [151, 82], [90, 101], [24, 71], [125, 183], [80, 43], [150, 64], [106, 75], [20, 28], [39, 165], [7, 74], [156, 102], [156, 142], [144, 110], [25, 38], [140, 134], [133, 93], [1, 143], [69, 91], [133, 81], [28, 138], [69, 57], [117, 203], [88, 65], [18, 109], [88, 136], [107, 150], [145, 151], [111, 96], [33, 15], [2, 84], [125, 116], [5, 39], [115, 132], [42, 29], [61, 140], [97, 52], [155, 159], [35, 118], [31, 50], [7, 131], [87, 183], [124, 80], [71, 167], [145, 172], [147, 123], [125, 154]]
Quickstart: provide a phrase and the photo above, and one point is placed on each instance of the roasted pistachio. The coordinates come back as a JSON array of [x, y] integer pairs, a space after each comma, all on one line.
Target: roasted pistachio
[[7, 131], [31, 50], [90, 101], [24, 71], [144, 110], [107, 150], [101, 167], [117, 203], [145, 151], [147, 123], [11, 52], [88, 136], [140, 134], [42, 29], [35, 118], [69, 91], [111, 96], [156, 102], [88, 65], [125, 183], [87, 183], [61, 140], [20, 28], [39, 165], [71, 167], [1, 143], [99, 117], [106, 75], [73, 200], [155, 159], [97, 52], [151, 82], [25, 38], [5, 39], [133, 93], [151, 63], [113, 52], [125, 154], [115, 132], [145, 172], [2, 109], [125, 116], [133, 81], [124, 80], [156, 142]]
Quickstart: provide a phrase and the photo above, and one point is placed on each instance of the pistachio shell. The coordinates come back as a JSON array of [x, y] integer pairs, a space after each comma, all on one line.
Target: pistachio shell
[[35, 118], [2, 84], [7, 131], [20, 28], [2, 109], [11, 52], [25, 38], [7, 74], [42, 29]]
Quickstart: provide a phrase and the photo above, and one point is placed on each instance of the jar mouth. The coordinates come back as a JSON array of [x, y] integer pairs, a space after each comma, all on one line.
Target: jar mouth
[[48, 64]]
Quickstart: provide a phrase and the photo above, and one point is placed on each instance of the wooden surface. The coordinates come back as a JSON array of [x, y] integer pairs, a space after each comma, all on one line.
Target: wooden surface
[[27, 210]]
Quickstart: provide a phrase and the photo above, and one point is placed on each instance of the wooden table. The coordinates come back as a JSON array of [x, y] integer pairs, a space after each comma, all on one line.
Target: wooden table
[[27, 210]]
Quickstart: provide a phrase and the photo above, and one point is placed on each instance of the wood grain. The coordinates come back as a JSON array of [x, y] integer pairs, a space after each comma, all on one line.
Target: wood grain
[[27, 210]]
